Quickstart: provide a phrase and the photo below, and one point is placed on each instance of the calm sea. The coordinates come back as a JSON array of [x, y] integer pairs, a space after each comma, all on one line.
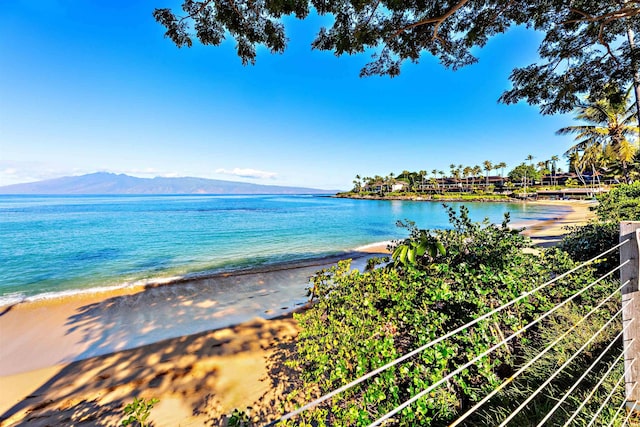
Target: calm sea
[[60, 244]]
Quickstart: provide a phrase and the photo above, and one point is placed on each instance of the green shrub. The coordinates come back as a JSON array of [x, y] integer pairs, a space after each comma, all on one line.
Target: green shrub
[[585, 242], [239, 418], [620, 204], [361, 321], [138, 412], [570, 182]]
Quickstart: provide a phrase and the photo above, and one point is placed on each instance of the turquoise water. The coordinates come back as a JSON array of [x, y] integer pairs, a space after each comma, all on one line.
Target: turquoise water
[[60, 244]]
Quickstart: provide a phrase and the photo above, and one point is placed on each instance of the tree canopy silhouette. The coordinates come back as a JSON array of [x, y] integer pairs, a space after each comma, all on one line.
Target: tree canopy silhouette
[[587, 44]]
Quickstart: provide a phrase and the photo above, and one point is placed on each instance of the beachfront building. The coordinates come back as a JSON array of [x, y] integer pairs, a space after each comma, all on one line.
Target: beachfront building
[[399, 186]]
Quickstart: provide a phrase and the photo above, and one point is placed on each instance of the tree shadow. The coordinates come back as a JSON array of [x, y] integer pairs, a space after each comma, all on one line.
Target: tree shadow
[[193, 306], [94, 391], [150, 344], [6, 309]]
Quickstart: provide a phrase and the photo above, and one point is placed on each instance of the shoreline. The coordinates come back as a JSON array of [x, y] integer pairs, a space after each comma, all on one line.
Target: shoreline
[[84, 325], [128, 288], [454, 197], [413, 198], [549, 232], [199, 376]]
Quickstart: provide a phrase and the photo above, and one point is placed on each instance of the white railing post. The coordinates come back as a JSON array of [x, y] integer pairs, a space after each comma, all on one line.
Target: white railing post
[[631, 338]]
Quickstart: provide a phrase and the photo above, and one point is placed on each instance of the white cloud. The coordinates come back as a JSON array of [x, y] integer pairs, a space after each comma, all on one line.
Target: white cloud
[[247, 173], [12, 172], [171, 175], [149, 173], [18, 172]]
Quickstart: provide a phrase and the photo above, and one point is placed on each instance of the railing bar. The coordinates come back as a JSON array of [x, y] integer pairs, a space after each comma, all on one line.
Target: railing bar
[[631, 411], [582, 377], [615, 416], [594, 389], [610, 395], [536, 358], [438, 340], [475, 359], [564, 365]]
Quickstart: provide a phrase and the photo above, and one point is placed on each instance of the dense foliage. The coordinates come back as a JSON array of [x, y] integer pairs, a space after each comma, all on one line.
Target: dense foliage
[[607, 139], [524, 172], [587, 45], [584, 242], [620, 204], [360, 321]]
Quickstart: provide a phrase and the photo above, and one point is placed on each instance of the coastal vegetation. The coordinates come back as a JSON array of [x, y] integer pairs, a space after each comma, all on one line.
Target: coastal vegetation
[[468, 183], [607, 139], [137, 412], [584, 242], [606, 152], [360, 321], [620, 204]]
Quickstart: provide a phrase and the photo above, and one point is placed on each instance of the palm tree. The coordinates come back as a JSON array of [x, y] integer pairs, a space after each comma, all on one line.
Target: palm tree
[[434, 172], [466, 172], [554, 160], [488, 166], [591, 158], [422, 174], [379, 182], [501, 166], [408, 176], [452, 168], [542, 166], [456, 175], [529, 158], [477, 171], [358, 183], [610, 124]]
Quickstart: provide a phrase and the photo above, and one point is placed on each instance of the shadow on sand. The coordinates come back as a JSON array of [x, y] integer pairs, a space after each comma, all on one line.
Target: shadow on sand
[[130, 355], [188, 370]]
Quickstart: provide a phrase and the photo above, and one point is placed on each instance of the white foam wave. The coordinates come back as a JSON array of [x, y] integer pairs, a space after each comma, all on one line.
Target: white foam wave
[[11, 299], [369, 246], [17, 298]]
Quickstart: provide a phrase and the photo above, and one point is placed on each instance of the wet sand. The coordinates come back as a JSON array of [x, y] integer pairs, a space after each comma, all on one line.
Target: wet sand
[[80, 360], [550, 232]]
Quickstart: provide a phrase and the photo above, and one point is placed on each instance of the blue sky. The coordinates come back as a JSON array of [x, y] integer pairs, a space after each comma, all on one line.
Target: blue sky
[[94, 86]]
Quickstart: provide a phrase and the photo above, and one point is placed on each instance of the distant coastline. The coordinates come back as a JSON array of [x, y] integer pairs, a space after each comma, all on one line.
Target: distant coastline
[[104, 183], [432, 198], [546, 195]]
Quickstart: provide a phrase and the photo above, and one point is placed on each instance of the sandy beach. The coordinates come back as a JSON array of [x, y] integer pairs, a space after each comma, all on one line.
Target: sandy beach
[[78, 361], [548, 233]]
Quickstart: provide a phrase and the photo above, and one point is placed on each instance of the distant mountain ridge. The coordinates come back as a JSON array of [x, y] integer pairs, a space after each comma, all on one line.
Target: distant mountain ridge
[[110, 183]]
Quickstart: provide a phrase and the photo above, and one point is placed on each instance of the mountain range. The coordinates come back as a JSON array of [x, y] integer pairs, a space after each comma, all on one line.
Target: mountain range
[[110, 183]]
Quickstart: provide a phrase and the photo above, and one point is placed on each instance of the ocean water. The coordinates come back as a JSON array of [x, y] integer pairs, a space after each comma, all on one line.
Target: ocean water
[[52, 245]]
